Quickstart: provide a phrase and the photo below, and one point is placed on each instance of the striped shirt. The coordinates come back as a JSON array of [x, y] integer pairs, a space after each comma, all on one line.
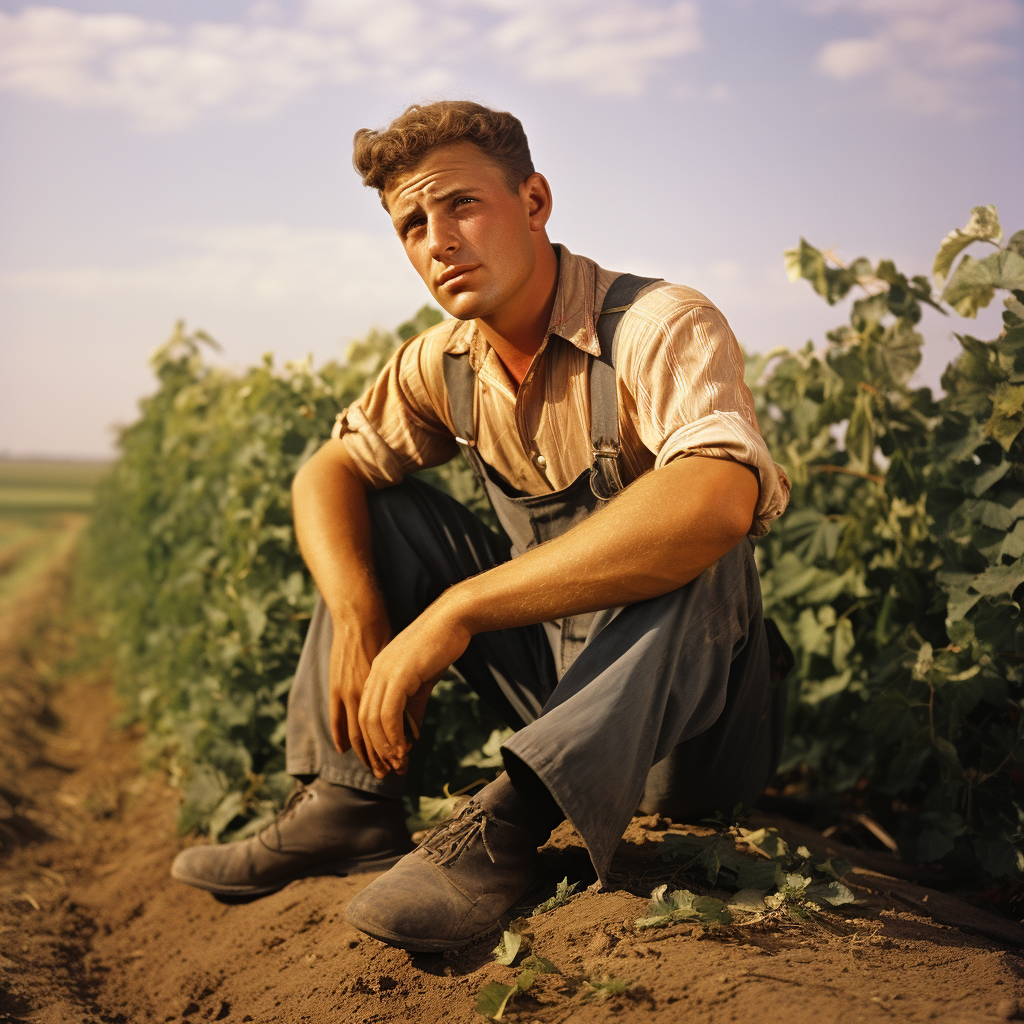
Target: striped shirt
[[679, 374]]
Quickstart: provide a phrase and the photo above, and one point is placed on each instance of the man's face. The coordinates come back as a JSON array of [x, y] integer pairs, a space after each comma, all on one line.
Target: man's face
[[469, 237]]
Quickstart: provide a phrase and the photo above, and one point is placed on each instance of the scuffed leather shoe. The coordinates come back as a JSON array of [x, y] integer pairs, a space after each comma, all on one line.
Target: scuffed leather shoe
[[454, 887], [323, 829]]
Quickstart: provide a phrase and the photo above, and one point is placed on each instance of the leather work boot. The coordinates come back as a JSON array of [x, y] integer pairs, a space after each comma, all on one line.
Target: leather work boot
[[454, 886], [323, 830]]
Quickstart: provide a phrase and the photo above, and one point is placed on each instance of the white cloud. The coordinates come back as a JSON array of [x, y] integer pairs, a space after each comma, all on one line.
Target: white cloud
[[165, 76], [613, 47], [929, 56]]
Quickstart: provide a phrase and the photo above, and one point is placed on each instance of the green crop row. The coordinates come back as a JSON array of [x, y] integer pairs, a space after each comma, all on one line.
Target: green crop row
[[892, 575]]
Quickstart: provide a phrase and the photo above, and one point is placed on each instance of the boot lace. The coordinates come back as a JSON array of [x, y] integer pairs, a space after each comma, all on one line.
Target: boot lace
[[449, 840], [296, 797]]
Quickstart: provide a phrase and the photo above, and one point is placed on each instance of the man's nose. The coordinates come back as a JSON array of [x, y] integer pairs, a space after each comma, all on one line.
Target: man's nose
[[442, 239]]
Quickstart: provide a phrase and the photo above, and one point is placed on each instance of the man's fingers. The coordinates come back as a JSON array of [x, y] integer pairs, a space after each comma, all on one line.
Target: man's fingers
[[339, 730], [374, 748], [392, 721], [378, 696], [356, 738], [376, 740]]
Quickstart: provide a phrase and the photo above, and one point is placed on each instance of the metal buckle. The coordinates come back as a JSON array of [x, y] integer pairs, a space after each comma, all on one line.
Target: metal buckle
[[605, 481]]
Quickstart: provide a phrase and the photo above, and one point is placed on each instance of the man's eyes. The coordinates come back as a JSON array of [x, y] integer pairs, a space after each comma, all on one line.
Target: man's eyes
[[410, 227]]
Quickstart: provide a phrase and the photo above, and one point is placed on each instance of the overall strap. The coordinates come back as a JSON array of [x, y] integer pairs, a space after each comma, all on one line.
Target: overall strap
[[604, 407], [460, 381]]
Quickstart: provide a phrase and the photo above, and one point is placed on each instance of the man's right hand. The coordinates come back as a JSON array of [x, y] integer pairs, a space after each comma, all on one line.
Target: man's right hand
[[353, 647], [332, 523]]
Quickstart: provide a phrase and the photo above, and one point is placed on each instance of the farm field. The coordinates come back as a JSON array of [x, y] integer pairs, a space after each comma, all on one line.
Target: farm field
[[43, 507], [47, 486], [92, 928]]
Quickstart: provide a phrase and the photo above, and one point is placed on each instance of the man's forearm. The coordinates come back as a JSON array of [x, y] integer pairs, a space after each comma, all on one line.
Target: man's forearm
[[332, 525], [658, 534]]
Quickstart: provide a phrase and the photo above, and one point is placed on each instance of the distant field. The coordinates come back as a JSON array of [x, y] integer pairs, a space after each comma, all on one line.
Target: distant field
[[42, 511], [44, 486]]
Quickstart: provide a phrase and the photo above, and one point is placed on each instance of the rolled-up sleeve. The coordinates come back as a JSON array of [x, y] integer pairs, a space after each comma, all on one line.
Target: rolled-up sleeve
[[691, 399], [394, 427]]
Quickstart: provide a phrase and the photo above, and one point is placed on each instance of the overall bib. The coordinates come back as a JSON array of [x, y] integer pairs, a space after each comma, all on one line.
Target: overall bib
[[666, 704]]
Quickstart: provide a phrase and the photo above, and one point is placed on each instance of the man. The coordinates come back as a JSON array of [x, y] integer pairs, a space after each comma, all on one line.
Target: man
[[607, 418]]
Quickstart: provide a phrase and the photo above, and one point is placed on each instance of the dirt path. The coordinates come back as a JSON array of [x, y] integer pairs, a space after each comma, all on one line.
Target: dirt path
[[92, 929]]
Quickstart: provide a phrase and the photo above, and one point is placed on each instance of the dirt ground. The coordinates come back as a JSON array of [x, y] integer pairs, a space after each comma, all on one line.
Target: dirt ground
[[93, 929]]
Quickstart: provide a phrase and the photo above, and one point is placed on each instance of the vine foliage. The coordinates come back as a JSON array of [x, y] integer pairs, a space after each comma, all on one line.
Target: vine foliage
[[894, 575]]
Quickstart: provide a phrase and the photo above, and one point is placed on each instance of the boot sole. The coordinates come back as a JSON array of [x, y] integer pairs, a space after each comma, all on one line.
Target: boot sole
[[342, 868], [414, 945], [524, 904]]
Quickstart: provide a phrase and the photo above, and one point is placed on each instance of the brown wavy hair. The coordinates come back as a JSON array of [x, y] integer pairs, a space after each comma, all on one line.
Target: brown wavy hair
[[381, 155]]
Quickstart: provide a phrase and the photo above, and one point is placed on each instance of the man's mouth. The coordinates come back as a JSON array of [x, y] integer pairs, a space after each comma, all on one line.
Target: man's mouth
[[453, 274]]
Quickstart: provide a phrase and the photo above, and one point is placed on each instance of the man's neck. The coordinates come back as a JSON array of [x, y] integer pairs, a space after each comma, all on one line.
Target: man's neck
[[517, 331]]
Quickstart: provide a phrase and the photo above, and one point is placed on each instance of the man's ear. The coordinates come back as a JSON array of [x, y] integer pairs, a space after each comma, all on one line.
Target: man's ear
[[535, 193]]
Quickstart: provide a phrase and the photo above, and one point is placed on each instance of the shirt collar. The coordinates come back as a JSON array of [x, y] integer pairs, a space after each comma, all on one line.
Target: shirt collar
[[572, 316]]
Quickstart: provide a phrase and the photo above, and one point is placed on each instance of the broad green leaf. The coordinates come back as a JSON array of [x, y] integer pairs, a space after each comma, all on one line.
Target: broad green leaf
[[813, 691], [991, 476], [493, 998], [999, 856], [767, 840], [833, 868], [901, 351], [860, 433], [1013, 543], [507, 948], [1007, 418], [750, 900], [829, 892], [539, 965], [999, 580], [932, 845], [830, 283], [974, 282], [432, 811], [489, 755], [983, 226], [757, 873], [227, 810]]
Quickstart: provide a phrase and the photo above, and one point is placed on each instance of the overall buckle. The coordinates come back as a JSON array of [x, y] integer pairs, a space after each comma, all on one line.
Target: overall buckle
[[605, 481]]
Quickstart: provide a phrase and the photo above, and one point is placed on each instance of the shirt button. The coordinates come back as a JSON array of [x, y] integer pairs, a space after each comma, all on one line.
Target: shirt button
[[541, 461]]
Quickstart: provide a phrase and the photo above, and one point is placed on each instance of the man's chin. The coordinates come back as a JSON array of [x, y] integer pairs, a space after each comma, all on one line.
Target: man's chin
[[463, 305]]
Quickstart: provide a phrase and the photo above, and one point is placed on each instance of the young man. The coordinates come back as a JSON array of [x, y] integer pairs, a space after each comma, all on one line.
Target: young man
[[607, 418]]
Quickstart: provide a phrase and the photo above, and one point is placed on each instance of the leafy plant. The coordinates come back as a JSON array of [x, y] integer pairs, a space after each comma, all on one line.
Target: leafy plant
[[758, 864], [682, 905], [565, 892], [192, 561], [893, 574]]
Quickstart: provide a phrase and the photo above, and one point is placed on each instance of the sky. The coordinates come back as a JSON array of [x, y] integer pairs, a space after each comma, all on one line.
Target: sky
[[163, 160]]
